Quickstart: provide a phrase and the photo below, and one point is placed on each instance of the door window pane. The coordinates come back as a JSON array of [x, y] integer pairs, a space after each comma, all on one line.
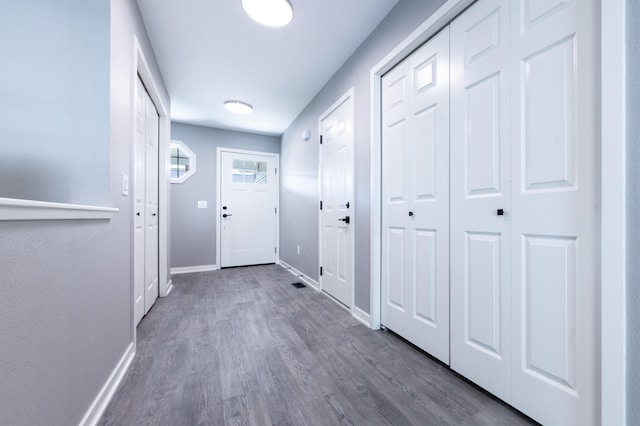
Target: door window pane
[[245, 171]]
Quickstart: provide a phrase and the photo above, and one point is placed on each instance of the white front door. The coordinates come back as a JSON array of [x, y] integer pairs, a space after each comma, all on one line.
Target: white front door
[[336, 195], [145, 193], [415, 198], [248, 208], [480, 187]]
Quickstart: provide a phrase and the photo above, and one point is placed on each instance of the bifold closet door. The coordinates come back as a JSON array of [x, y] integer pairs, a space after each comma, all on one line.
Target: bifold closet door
[[524, 200], [415, 194], [555, 134], [480, 197]]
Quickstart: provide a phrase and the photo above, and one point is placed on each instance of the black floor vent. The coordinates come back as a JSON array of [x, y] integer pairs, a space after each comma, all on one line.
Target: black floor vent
[[298, 285]]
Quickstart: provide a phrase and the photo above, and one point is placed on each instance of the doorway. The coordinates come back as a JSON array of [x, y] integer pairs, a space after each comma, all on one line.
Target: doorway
[[336, 200], [248, 198]]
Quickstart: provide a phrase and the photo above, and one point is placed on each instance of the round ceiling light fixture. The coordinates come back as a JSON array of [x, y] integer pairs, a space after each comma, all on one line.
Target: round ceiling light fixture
[[272, 13], [238, 107]]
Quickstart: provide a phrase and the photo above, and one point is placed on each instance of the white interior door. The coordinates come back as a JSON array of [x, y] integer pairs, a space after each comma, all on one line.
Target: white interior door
[[145, 188], [480, 188], [248, 213], [336, 194], [555, 134], [415, 197]]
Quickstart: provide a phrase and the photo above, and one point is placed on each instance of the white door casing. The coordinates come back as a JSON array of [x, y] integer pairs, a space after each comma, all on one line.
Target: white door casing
[[248, 211], [145, 185], [415, 198], [337, 198], [555, 196], [480, 187]]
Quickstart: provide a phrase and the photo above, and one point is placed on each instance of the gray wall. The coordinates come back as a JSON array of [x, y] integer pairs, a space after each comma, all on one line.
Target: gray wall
[[633, 212], [299, 180], [65, 310], [193, 230], [54, 99]]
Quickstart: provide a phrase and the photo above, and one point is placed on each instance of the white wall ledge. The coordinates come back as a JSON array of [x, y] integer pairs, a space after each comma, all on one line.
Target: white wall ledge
[[15, 209]]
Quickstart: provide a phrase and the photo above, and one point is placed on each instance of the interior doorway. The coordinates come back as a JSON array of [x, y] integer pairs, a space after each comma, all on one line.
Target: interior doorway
[[337, 200]]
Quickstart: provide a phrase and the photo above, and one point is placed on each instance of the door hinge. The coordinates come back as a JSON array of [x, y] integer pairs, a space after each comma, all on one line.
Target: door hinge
[[275, 250], [321, 271], [320, 204], [276, 210], [320, 139], [276, 170]]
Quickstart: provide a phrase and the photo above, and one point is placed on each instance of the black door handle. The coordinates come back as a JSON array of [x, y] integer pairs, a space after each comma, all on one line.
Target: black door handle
[[138, 214], [347, 205], [410, 213], [346, 219], [500, 212], [226, 215], [153, 214]]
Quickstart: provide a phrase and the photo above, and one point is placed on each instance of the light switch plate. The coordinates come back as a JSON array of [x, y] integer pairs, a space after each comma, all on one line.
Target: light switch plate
[[202, 204], [125, 184]]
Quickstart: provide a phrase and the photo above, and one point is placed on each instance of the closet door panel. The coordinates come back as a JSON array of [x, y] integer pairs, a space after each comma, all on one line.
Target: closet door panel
[[555, 119], [415, 150], [396, 199], [480, 197]]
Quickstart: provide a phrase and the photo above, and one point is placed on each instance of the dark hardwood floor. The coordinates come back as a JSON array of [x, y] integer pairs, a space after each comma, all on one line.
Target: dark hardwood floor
[[243, 346]]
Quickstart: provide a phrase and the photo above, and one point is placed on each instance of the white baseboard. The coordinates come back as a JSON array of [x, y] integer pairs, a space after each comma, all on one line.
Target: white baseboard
[[361, 316], [302, 277], [167, 289], [101, 402], [190, 269]]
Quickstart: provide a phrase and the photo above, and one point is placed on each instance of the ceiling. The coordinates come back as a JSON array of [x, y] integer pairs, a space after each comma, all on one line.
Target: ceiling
[[210, 51]]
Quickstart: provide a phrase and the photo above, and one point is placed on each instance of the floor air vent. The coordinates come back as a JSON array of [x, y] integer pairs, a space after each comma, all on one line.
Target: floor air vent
[[298, 285]]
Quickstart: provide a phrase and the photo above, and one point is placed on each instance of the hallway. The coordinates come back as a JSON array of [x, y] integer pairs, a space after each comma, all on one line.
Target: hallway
[[244, 346]]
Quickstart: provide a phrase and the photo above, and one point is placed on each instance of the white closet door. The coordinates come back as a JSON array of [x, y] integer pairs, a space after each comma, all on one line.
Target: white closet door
[[151, 199], [139, 187], [415, 193], [480, 191], [555, 46]]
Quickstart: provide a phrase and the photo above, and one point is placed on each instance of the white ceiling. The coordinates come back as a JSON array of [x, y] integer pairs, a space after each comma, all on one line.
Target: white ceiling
[[210, 51]]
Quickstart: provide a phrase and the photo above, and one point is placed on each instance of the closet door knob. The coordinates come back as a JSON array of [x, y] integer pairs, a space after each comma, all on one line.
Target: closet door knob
[[410, 213], [500, 212]]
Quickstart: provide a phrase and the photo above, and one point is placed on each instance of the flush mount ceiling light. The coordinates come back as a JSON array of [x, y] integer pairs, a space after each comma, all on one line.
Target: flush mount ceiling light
[[273, 13], [238, 107]]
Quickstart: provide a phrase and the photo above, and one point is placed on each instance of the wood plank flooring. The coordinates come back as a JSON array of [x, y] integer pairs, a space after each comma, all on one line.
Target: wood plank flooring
[[242, 346]]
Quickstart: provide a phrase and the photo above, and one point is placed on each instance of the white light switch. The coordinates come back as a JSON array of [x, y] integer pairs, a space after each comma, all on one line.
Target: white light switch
[[202, 204], [125, 184]]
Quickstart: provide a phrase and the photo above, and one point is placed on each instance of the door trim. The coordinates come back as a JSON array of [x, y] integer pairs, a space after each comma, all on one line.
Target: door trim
[[613, 189], [140, 66], [350, 94], [219, 190]]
